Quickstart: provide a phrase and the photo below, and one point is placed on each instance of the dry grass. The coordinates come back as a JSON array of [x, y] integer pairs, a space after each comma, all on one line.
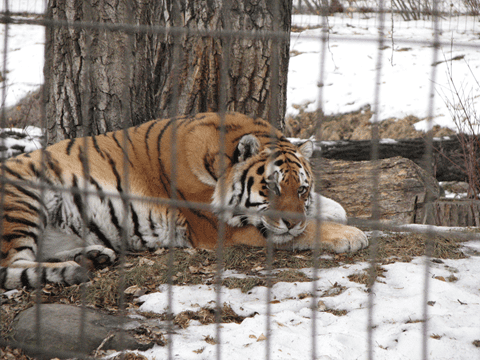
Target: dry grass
[[355, 125]]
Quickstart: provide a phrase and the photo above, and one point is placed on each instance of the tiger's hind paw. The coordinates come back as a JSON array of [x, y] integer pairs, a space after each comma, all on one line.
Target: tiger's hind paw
[[74, 275]]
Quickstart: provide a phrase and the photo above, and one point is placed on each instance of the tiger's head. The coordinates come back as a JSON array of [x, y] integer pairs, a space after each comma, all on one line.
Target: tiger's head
[[274, 177]]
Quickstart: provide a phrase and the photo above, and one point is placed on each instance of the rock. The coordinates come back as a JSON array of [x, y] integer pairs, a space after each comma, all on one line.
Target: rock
[[60, 331]]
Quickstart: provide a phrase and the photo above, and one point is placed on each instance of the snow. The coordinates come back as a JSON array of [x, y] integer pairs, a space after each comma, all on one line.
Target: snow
[[21, 6], [17, 141], [398, 310], [406, 74], [349, 84]]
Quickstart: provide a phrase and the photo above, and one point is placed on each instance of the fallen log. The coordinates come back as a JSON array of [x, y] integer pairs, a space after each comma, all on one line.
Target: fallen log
[[447, 157], [403, 187]]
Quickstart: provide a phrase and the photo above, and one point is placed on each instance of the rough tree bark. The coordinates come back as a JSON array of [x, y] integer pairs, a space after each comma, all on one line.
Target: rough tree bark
[[101, 79]]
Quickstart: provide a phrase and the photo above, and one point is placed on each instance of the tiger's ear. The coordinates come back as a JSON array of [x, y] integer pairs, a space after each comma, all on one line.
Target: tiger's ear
[[306, 149], [247, 147]]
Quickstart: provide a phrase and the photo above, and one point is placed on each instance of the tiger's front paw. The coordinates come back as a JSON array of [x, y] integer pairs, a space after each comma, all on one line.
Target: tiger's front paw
[[95, 257], [346, 239]]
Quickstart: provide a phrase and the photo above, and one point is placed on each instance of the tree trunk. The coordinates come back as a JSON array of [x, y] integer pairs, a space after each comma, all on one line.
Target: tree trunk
[[102, 79], [457, 212]]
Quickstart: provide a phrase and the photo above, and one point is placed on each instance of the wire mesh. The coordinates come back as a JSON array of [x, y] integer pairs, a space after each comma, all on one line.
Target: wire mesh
[[433, 12]]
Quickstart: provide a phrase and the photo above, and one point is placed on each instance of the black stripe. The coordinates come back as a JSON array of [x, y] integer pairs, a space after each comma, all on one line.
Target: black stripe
[[100, 191], [94, 228], [13, 173], [24, 278], [114, 218], [13, 208], [249, 192], [136, 224], [77, 198], [28, 234], [208, 166], [27, 192], [29, 205], [263, 230], [74, 230], [115, 173], [10, 237], [147, 134], [44, 275], [84, 161], [116, 140], [22, 248], [96, 147], [12, 219], [70, 145], [243, 179], [125, 154], [55, 168], [62, 274], [127, 134], [261, 170], [39, 175], [150, 221], [163, 175], [3, 277]]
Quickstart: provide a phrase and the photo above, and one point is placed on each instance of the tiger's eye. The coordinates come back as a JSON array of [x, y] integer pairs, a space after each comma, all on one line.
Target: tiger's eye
[[302, 190]]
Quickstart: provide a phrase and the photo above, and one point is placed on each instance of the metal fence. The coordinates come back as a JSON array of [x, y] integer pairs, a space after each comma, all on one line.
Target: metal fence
[[436, 13]]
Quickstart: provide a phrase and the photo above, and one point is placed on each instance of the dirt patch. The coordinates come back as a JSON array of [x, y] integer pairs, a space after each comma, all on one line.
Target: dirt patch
[[354, 126]]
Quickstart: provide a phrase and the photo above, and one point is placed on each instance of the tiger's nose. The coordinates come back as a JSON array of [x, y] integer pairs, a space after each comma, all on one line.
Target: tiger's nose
[[290, 223]]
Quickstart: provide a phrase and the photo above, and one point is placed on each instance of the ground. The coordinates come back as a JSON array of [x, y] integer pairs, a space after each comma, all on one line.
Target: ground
[[193, 267]]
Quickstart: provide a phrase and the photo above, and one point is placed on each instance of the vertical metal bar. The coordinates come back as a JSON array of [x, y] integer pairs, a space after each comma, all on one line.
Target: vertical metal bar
[[126, 102], [41, 237], [222, 108], [2, 119], [85, 107], [429, 169], [274, 117], [318, 134], [375, 175], [172, 111], [42, 187]]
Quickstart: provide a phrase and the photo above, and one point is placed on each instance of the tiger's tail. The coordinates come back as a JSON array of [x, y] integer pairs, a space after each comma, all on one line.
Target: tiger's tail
[[38, 274]]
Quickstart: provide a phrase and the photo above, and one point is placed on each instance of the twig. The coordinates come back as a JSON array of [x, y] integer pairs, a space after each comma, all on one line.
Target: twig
[[111, 335]]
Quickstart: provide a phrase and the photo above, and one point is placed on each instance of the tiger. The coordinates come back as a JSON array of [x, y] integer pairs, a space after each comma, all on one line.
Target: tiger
[[186, 181]]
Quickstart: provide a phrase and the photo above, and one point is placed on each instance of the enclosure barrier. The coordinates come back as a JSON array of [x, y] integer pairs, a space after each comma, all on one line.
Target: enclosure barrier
[[432, 12]]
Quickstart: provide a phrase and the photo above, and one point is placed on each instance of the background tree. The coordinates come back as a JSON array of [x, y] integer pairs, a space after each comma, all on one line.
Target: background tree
[[187, 56]]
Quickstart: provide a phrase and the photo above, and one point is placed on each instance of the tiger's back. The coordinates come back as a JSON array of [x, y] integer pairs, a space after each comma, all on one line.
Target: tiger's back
[[131, 177]]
